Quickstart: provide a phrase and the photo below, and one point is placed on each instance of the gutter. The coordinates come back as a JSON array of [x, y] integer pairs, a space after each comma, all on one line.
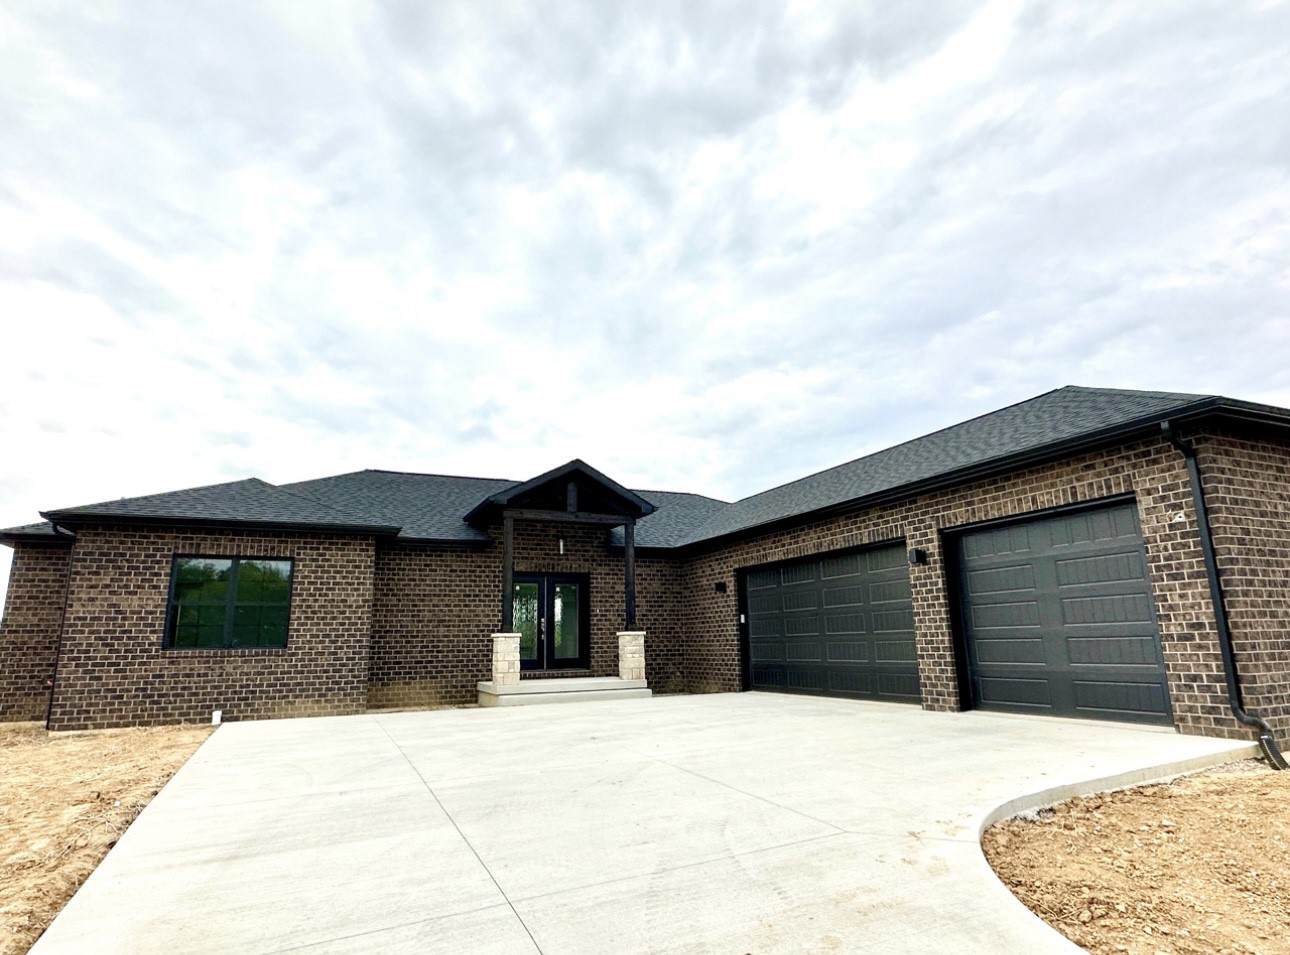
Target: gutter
[[1267, 741]]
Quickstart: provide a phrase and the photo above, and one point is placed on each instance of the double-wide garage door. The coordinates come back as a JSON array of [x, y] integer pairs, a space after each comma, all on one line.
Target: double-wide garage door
[[1057, 616], [841, 625]]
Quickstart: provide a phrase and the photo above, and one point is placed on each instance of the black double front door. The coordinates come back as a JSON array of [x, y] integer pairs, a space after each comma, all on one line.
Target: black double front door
[[552, 617]]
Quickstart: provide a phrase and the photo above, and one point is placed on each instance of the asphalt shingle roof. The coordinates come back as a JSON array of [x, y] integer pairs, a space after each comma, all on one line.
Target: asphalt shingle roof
[[251, 501], [431, 507], [426, 506], [1053, 420], [43, 529]]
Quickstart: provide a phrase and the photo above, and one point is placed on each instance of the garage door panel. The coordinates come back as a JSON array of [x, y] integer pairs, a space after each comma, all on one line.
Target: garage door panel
[[894, 621], [1001, 580], [1015, 692], [1006, 616], [890, 591], [1086, 632], [1009, 651], [851, 682], [805, 678], [846, 622], [798, 650], [850, 651], [1122, 699], [1003, 540], [1114, 651], [887, 559], [799, 600], [1113, 609], [843, 596], [798, 574], [801, 625], [770, 651], [894, 651], [845, 565], [898, 687], [1107, 568]]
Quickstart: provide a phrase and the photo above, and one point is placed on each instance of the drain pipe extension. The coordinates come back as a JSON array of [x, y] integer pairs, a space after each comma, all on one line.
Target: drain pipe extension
[[1267, 742]]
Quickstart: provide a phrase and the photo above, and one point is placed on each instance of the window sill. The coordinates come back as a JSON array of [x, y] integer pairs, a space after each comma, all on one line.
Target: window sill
[[226, 651]]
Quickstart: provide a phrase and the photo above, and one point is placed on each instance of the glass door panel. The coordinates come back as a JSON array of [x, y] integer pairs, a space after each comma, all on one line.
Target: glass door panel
[[526, 603], [550, 613], [566, 616]]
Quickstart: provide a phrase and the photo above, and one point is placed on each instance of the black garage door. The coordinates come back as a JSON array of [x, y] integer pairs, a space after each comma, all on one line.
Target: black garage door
[[1057, 615], [840, 625]]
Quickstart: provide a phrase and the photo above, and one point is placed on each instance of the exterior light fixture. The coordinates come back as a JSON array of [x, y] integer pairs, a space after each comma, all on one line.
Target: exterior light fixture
[[917, 556]]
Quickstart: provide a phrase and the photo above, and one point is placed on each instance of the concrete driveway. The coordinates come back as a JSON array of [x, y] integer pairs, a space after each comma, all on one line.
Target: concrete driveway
[[734, 823]]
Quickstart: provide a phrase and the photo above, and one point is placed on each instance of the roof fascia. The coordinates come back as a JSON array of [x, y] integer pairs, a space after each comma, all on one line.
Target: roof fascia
[[83, 519]]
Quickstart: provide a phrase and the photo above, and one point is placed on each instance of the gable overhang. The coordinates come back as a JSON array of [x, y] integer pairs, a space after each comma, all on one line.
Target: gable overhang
[[574, 492]]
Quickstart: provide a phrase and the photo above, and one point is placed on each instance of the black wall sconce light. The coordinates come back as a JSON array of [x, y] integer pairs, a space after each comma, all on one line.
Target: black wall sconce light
[[720, 586], [917, 556]]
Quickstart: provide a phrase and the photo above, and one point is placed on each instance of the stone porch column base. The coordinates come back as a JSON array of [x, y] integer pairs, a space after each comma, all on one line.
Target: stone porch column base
[[506, 659], [631, 655]]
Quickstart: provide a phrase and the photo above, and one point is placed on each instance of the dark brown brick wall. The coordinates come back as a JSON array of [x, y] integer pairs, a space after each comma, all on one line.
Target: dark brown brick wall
[[1152, 470], [1247, 491], [113, 670], [437, 608], [33, 616]]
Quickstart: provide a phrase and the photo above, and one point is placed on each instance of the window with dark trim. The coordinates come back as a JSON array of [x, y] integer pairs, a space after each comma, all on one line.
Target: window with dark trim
[[228, 602]]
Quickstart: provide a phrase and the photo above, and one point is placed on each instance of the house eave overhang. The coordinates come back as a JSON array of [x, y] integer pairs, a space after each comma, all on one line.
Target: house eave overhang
[[84, 519], [36, 538]]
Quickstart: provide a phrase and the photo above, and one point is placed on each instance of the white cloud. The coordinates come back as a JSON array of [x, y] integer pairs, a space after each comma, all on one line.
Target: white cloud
[[705, 248]]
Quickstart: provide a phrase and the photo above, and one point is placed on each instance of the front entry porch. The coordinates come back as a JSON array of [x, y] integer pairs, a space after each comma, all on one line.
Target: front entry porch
[[507, 689], [546, 604]]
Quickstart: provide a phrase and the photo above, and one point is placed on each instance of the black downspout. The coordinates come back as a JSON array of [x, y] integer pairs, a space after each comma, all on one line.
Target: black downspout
[[1267, 742], [62, 623]]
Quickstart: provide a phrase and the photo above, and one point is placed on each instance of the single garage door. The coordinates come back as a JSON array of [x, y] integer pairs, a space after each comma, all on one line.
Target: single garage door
[[1057, 616], [840, 625]]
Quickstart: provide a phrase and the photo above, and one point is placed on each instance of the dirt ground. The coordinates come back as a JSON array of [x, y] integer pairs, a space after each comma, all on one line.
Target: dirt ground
[[1198, 866], [65, 798]]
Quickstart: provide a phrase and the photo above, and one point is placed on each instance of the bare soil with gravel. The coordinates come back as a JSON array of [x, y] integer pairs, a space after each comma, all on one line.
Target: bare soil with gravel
[[1196, 866]]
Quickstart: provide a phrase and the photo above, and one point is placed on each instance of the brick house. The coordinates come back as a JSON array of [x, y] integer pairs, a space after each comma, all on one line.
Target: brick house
[[1088, 553]]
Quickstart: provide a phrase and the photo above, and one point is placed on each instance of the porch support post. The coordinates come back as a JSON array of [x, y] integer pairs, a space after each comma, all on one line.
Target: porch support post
[[508, 573], [629, 572]]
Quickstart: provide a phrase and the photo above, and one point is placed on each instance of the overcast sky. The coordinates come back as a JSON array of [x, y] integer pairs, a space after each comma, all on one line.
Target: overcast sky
[[705, 247]]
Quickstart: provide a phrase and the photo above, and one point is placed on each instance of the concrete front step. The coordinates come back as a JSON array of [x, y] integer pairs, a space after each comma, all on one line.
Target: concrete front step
[[568, 690]]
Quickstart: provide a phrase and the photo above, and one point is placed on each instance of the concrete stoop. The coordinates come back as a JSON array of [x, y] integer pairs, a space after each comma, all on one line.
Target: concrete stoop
[[570, 690]]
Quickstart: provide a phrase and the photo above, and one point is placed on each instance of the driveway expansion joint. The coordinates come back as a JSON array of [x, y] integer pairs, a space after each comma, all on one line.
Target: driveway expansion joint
[[469, 845]]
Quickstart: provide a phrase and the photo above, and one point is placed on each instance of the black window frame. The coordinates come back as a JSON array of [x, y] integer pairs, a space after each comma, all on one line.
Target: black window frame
[[231, 602]]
